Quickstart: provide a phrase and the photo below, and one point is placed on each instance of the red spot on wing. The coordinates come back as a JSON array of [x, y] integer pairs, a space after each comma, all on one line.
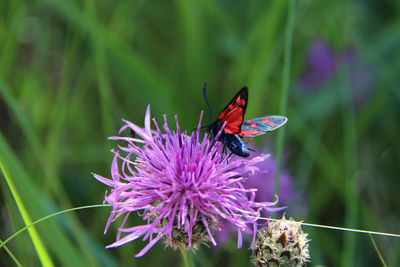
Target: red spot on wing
[[244, 133], [254, 125], [271, 123], [265, 120], [248, 121]]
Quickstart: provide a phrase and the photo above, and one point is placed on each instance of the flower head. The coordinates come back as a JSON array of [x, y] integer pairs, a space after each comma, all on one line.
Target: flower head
[[182, 186], [281, 243]]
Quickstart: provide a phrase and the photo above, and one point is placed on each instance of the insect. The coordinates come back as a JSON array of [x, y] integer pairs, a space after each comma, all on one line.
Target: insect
[[236, 127]]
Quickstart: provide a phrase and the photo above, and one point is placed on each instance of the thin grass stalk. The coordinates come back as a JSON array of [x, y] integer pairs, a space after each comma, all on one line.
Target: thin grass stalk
[[350, 157], [285, 88], [377, 250], [44, 256], [48, 217], [16, 261]]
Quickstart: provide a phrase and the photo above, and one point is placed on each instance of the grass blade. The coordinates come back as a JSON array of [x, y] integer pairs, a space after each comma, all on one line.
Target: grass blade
[[285, 88], [36, 240]]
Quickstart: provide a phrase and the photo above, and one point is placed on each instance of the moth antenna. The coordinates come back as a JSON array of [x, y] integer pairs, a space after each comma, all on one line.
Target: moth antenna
[[202, 127], [206, 126], [208, 104]]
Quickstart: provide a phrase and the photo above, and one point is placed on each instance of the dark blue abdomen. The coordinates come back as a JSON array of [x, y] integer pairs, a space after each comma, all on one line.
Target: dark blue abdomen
[[235, 144]]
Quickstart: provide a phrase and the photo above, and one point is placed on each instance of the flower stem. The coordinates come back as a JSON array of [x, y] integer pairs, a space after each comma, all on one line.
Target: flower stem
[[28, 226], [186, 259]]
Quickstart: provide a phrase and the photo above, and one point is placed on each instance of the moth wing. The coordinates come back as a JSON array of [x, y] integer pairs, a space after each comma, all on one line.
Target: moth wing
[[262, 125], [233, 113]]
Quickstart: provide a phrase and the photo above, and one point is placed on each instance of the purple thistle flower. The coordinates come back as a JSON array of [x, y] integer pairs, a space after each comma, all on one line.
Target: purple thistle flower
[[182, 186]]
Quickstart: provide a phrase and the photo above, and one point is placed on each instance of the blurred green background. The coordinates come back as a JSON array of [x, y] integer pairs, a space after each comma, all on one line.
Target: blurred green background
[[70, 70]]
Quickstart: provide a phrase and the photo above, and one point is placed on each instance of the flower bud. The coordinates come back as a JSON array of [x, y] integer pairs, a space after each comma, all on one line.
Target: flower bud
[[281, 243]]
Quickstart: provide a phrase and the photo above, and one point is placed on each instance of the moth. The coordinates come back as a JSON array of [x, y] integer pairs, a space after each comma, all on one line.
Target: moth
[[236, 127]]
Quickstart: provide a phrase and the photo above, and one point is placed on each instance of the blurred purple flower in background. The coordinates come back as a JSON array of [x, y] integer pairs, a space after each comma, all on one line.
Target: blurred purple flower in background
[[361, 75], [323, 63], [183, 187], [264, 181]]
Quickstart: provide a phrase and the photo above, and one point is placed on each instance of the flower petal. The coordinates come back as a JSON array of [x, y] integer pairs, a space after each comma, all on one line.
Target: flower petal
[[148, 246], [139, 231], [105, 181]]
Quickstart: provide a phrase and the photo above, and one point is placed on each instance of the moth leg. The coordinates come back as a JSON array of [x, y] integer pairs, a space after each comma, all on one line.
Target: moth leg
[[251, 149]]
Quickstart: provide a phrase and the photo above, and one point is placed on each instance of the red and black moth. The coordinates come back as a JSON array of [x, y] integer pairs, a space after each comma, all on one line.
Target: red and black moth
[[236, 127]]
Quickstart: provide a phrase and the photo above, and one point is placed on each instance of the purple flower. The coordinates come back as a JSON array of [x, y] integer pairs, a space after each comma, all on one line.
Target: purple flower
[[324, 63], [361, 75], [321, 61], [264, 181], [181, 186]]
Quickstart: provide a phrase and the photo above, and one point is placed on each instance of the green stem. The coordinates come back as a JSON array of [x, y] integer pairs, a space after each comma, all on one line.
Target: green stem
[[285, 88], [48, 217], [377, 251], [350, 165], [16, 261], [186, 260], [44, 256]]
